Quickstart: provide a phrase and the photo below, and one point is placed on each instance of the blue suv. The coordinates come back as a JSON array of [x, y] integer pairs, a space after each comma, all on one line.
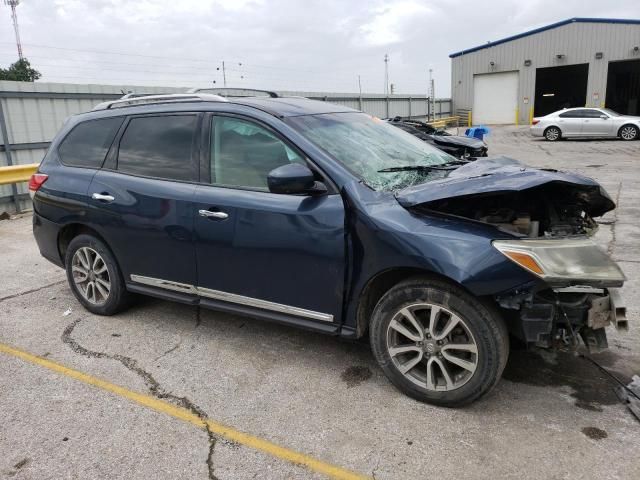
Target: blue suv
[[319, 216]]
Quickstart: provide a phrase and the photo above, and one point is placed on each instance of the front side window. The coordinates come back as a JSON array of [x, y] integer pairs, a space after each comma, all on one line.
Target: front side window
[[159, 146], [591, 114], [88, 143], [382, 155], [243, 153]]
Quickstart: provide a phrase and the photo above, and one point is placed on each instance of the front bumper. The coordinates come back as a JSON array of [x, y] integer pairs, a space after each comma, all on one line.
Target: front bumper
[[556, 316]]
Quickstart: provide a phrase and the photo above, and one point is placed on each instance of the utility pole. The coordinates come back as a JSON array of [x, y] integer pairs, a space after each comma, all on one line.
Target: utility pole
[[360, 94], [432, 93], [224, 75], [386, 74], [13, 4]]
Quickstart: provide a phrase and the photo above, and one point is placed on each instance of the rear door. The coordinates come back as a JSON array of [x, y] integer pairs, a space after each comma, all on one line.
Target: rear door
[[142, 201], [276, 253], [571, 122]]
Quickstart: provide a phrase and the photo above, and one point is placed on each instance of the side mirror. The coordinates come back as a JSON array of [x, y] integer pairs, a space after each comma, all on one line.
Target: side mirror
[[604, 117], [293, 178]]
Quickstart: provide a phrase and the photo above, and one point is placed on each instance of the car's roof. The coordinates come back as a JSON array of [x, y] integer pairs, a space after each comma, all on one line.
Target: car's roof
[[279, 107], [291, 106]]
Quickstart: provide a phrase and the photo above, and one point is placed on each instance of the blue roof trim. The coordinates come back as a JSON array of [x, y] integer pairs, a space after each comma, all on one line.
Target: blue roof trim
[[548, 27]]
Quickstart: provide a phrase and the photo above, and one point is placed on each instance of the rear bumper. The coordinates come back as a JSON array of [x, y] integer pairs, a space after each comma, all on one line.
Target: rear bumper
[[46, 235], [536, 130]]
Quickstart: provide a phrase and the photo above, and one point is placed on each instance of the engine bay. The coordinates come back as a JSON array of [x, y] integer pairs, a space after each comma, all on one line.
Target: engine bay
[[547, 211]]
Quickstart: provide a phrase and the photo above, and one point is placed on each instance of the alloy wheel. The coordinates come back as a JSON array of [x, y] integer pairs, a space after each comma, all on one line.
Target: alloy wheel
[[90, 275], [628, 133], [552, 134], [432, 347]]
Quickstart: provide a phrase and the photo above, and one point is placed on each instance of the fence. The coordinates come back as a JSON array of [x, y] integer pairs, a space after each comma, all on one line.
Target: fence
[[32, 113]]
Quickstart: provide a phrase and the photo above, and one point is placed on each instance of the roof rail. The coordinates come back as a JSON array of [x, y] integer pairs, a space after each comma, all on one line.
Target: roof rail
[[235, 92], [133, 100]]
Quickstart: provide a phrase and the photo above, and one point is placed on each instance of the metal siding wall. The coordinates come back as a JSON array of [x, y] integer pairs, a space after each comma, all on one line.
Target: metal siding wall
[[577, 41], [38, 119]]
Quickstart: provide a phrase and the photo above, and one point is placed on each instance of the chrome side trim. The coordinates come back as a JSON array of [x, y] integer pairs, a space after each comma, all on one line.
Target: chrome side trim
[[166, 284], [256, 302], [232, 298]]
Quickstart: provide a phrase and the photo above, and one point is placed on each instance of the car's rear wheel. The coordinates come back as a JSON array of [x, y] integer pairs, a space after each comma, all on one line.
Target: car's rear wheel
[[437, 343], [628, 132], [94, 276], [552, 134]]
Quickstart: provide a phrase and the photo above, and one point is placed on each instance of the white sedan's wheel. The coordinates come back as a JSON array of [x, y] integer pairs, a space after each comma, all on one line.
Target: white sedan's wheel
[[552, 134], [629, 132]]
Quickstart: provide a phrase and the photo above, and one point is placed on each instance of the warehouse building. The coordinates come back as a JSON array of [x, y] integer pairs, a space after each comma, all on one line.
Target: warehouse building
[[574, 63]]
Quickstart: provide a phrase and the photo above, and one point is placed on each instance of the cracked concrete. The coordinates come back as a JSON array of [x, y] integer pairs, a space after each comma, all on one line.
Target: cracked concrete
[[552, 416], [152, 384]]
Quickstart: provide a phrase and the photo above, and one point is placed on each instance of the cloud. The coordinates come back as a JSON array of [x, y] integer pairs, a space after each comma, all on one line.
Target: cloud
[[311, 45]]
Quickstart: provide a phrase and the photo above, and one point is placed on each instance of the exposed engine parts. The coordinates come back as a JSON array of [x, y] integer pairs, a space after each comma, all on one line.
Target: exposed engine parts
[[551, 210], [555, 317]]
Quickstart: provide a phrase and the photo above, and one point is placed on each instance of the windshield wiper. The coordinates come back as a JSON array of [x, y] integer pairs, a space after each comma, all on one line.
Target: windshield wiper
[[425, 168]]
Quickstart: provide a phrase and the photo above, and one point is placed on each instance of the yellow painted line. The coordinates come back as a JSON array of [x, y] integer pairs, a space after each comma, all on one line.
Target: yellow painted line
[[185, 415]]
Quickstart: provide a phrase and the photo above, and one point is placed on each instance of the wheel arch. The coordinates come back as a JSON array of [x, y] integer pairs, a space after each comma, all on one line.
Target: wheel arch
[[72, 230], [381, 283]]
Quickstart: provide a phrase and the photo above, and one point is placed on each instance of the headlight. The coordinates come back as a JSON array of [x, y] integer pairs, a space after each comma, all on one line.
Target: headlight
[[561, 261]]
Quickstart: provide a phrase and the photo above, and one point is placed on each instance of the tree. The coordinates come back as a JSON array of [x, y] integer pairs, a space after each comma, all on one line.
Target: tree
[[20, 71]]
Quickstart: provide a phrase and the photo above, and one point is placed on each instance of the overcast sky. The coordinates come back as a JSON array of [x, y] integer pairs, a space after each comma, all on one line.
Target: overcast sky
[[278, 44]]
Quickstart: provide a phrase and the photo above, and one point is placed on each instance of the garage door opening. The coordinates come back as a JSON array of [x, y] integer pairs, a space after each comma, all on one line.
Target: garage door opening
[[560, 87], [623, 87], [495, 98]]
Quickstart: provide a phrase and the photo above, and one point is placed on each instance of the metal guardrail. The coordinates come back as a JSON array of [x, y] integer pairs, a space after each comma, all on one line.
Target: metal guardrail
[[445, 122], [17, 173]]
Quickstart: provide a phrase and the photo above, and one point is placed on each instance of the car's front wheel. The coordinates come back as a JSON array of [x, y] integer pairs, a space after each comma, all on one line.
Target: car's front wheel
[[628, 132], [94, 276], [437, 343]]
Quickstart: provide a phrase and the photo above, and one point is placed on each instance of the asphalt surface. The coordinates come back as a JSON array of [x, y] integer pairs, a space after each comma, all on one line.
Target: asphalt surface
[[552, 416]]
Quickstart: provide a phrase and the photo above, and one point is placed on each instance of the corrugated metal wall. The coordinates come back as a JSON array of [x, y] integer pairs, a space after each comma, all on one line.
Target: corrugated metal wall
[[578, 42], [34, 112]]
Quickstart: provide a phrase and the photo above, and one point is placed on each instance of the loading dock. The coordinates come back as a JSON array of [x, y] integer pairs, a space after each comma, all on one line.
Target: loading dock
[[577, 62], [560, 87], [623, 87]]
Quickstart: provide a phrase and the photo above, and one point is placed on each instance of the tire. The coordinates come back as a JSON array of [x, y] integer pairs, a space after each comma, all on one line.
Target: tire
[[552, 134], [628, 132], [103, 273], [476, 326]]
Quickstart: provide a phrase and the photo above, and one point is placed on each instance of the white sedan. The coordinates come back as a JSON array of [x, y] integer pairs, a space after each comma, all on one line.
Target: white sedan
[[586, 122]]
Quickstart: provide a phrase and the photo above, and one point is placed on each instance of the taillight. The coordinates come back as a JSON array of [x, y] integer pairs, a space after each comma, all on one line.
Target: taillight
[[35, 182], [535, 121]]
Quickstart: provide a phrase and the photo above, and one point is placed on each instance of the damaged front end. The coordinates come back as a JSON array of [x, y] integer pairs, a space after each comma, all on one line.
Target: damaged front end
[[543, 222]]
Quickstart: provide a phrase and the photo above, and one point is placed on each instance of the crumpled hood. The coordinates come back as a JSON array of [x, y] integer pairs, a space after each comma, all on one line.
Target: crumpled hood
[[502, 174], [458, 141]]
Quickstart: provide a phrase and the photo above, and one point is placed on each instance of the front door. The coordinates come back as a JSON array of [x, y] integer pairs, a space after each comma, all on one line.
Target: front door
[[596, 124], [281, 254], [142, 202]]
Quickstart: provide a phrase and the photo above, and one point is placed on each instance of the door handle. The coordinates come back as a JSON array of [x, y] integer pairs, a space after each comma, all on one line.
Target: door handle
[[103, 197], [210, 214]]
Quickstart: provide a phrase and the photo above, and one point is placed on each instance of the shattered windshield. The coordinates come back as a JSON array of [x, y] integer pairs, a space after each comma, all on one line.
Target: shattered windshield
[[372, 149]]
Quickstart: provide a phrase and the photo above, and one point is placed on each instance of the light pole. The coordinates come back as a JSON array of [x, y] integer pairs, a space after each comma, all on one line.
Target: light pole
[[13, 4]]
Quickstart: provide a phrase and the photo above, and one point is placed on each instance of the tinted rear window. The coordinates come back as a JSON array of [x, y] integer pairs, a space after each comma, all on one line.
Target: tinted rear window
[[159, 147], [88, 143]]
